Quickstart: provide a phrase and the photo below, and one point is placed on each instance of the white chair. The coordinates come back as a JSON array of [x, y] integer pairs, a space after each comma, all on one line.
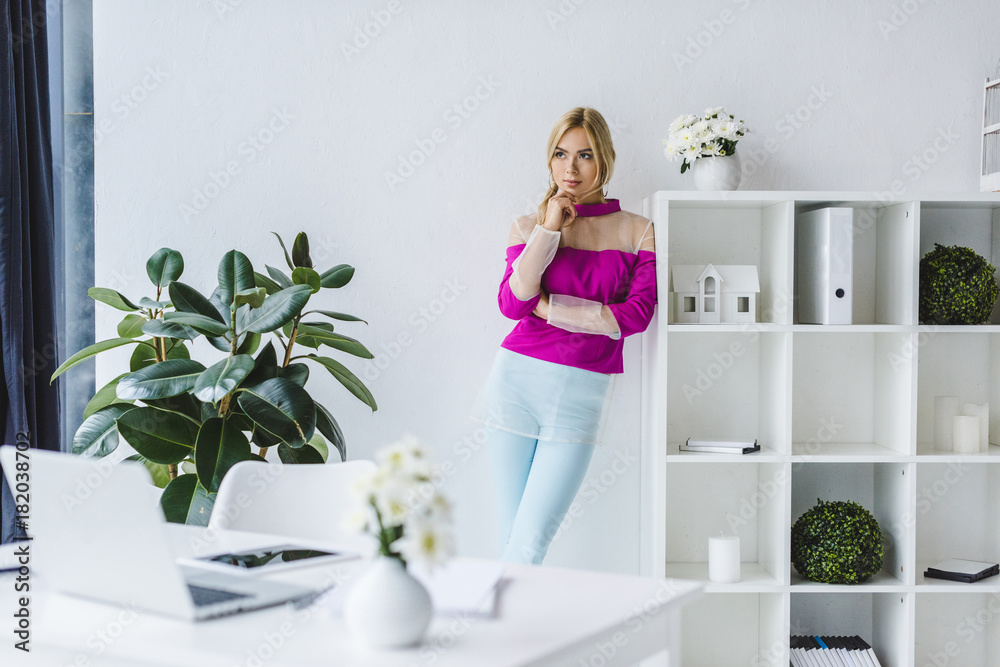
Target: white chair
[[307, 502]]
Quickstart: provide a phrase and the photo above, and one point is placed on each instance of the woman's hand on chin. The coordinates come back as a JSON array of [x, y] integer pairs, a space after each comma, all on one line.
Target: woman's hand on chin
[[560, 211]]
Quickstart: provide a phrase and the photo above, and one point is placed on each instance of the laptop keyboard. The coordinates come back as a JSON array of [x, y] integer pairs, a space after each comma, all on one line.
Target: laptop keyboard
[[205, 596]]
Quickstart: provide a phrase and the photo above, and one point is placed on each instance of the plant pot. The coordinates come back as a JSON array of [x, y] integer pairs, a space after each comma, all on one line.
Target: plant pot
[[387, 607], [717, 173]]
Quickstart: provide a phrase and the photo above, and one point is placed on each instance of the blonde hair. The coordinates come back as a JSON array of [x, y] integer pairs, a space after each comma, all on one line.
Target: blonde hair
[[599, 135]]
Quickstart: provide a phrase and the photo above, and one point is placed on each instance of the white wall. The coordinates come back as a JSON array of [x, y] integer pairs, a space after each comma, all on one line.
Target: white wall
[[183, 89]]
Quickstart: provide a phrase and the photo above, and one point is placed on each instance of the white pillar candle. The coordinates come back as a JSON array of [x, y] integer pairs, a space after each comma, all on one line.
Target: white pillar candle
[[965, 434], [981, 410], [945, 407], [724, 559]]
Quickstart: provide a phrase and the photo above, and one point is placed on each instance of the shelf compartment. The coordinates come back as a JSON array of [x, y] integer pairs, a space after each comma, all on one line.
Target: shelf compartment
[[852, 388], [956, 516], [882, 262], [750, 233], [746, 500], [736, 629], [885, 490], [881, 619], [729, 385], [965, 365], [957, 629], [973, 225]]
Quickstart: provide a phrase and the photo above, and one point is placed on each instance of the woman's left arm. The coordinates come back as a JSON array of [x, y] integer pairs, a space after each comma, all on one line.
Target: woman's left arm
[[614, 320]]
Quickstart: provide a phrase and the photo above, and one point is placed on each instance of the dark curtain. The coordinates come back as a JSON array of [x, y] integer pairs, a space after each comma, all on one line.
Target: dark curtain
[[28, 403]]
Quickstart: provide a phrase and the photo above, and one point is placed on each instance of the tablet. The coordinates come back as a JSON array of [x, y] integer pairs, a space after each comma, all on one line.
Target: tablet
[[265, 560]]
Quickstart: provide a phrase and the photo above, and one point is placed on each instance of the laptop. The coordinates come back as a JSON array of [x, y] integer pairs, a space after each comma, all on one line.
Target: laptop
[[94, 535]]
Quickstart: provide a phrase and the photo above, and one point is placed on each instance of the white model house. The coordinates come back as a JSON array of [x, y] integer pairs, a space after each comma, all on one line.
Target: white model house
[[709, 294]]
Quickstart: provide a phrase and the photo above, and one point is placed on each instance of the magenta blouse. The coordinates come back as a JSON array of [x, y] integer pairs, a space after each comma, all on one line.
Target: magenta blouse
[[624, 281]]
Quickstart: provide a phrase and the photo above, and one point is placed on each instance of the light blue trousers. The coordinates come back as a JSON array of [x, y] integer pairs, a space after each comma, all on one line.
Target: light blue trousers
[[535, 482]]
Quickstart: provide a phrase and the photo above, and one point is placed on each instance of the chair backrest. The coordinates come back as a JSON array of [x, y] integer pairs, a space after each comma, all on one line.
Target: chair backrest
[[303, 501]]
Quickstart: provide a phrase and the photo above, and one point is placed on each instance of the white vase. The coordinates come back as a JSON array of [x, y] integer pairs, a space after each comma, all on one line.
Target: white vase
[[387, 607], [717, 173]]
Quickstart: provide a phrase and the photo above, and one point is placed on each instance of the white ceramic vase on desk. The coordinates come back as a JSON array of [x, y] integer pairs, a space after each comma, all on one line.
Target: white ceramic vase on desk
[[387, 607], [718, 173]]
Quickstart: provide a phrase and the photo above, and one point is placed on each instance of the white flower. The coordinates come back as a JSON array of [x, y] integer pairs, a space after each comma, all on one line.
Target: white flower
[[356, 520], [713, 111], [692, 153], [392, 499], [425, 541], [672, 149], [681, 122], [702, 129]]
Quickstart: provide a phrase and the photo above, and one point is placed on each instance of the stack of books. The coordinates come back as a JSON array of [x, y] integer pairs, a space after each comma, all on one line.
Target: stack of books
[[965, 571], [720, 446], [816, 651]]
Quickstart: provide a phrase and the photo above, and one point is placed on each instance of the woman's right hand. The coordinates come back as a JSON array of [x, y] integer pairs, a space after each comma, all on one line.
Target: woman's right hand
[[560, 211]]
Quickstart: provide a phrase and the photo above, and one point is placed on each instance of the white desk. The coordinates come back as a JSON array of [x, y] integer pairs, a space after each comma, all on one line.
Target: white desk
[[546, 616]]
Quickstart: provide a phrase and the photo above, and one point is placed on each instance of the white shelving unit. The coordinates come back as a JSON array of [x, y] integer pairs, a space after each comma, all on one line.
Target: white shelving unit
[[841, 412]]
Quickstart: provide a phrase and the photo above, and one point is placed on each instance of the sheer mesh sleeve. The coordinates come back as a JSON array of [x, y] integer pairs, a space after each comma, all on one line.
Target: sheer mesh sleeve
[[582, 316], [530, 250], [635, 313], [526, 277]]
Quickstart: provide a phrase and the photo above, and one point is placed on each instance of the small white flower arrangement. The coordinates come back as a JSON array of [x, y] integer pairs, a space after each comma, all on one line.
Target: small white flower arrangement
[[692, 137], [402, 508]]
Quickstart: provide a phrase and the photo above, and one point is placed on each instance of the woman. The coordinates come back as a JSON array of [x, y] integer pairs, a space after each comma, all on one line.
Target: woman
[[580, 278]]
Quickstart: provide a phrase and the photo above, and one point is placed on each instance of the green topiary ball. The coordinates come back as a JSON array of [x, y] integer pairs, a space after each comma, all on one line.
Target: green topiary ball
[[837, 543], [957, 286]]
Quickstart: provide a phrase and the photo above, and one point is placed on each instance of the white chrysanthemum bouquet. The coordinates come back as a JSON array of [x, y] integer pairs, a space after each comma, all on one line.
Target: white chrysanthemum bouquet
[[713, 135], [400, 506]]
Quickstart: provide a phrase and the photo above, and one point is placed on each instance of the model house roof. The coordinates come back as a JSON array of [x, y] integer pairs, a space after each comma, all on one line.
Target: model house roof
[[734, 277]]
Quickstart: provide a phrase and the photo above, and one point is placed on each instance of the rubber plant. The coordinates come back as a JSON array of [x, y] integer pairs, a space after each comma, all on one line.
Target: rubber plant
[[190, 424]]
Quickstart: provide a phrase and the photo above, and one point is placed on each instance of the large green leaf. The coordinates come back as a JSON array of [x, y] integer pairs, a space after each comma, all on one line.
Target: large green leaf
[[164, 267], [249, 344], [253, 297], [90, 351], [98, 434], [220, 379], [131, 326], [112, 298], [336, 341], [306, 276], [210, 326], [328, 426], [348, 379], [278, 276], [319, 444], [282, 408], [167, 378], [300, 251], [276, 310], [185, 500], [164, 329], [104, 397], [303, 454], [288, 260], [260, 280], [344, 317], [159, 472], [183, 404], [235, 275], [146, 302], [220, 446], [265, 366], [297, 373], [338, 276], [189, 300], [144, 355], [161, 437]]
